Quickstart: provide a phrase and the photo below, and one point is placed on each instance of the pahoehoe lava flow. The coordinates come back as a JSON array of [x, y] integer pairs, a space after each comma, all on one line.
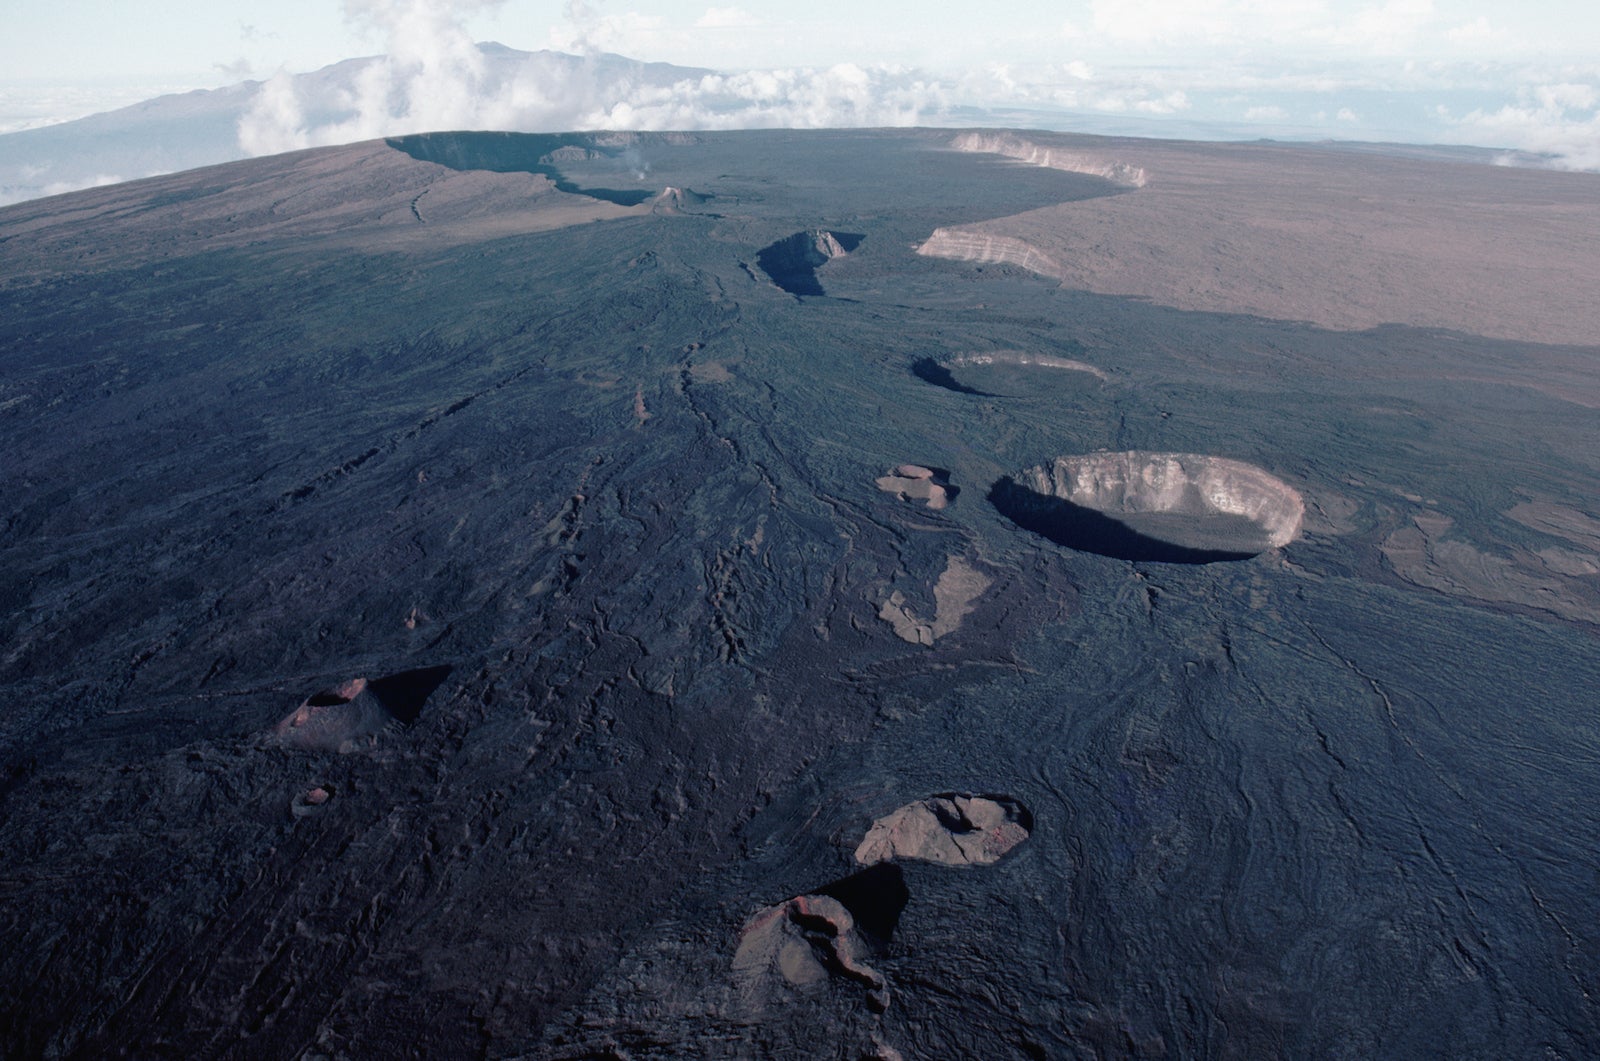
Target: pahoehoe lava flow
[[605, 595]]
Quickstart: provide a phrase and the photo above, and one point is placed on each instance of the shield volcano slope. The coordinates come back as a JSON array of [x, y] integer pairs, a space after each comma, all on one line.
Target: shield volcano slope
[[278, 423], [370, 196], [596, 511]]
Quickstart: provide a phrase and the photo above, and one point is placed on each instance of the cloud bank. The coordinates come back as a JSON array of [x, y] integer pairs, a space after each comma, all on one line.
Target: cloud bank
[[547, 92], [432, 75], [1077, 75], [1561, 119]]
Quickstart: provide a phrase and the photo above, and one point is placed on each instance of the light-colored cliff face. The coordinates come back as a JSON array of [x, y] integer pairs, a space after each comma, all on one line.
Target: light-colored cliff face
[[824, 247], [1012, 146], [968, 246], [1023, 359], [1191, 485]]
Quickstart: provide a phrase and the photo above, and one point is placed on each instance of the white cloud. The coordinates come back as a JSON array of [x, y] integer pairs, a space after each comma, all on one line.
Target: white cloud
[[23, 193], [1566, 97], [1391, 27], [1171, 103], [1188, 23], [1561, 120], [430, 77], [726, 18], [434, 77], [275, 122], [1478, 31], [595, 94], [843, 95], [587, 32]]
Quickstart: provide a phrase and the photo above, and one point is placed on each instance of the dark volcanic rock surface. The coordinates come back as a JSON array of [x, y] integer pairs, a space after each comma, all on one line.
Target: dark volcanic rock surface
[[591, 504]]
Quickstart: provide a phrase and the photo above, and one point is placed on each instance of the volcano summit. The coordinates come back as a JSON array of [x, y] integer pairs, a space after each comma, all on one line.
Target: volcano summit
[[461, 600]]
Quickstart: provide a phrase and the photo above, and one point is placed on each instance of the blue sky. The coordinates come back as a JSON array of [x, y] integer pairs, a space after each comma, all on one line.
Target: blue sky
[[1521, 75]]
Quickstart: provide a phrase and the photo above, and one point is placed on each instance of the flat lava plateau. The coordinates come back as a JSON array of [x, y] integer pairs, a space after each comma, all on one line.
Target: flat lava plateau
[[861, 594]]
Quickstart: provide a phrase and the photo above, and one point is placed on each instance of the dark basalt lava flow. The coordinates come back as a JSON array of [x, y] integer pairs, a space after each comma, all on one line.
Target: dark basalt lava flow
[[450, 613]]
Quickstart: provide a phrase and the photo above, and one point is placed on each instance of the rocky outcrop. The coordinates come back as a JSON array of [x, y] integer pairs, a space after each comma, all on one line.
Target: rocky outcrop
[[951, 829], [913, 482], [570, 153], [349, 716], [965, 246], [334, 720], [1012, 146], [1139, 505], [310, 801], [954, 596], [676, 200], [800, 943]]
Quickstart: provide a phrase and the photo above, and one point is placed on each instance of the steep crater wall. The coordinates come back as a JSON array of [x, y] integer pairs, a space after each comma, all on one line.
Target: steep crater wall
[[967, 246], [1006, 373], [497, 152], [792, 262], [1124, 174], [1166, 507]]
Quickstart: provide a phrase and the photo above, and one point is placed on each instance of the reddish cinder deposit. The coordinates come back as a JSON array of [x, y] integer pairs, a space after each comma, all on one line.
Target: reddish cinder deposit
[[801, 942], [912, 482], [334, 719], [954, 830], [954, 596]]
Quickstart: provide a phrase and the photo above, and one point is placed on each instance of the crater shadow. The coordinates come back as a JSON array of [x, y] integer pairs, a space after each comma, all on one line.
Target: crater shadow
[[1087, 531], [930, 371], [875, 897], [509, 153], [405, 694], [1015, 807], [792, 262], [941, 476]]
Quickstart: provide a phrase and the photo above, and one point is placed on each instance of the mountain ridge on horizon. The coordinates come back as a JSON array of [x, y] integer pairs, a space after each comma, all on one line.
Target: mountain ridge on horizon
[[186, 130], [547, 91]]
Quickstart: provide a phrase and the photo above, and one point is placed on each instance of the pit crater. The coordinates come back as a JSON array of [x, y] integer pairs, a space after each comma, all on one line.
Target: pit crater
[[1185, 508]]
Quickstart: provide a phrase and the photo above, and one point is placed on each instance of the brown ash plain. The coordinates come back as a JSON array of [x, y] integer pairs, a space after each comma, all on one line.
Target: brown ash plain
[[449, 606]]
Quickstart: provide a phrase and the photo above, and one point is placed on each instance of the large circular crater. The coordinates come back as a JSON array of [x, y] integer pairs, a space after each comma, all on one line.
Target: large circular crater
[[1008, 374], [1185, 508]]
